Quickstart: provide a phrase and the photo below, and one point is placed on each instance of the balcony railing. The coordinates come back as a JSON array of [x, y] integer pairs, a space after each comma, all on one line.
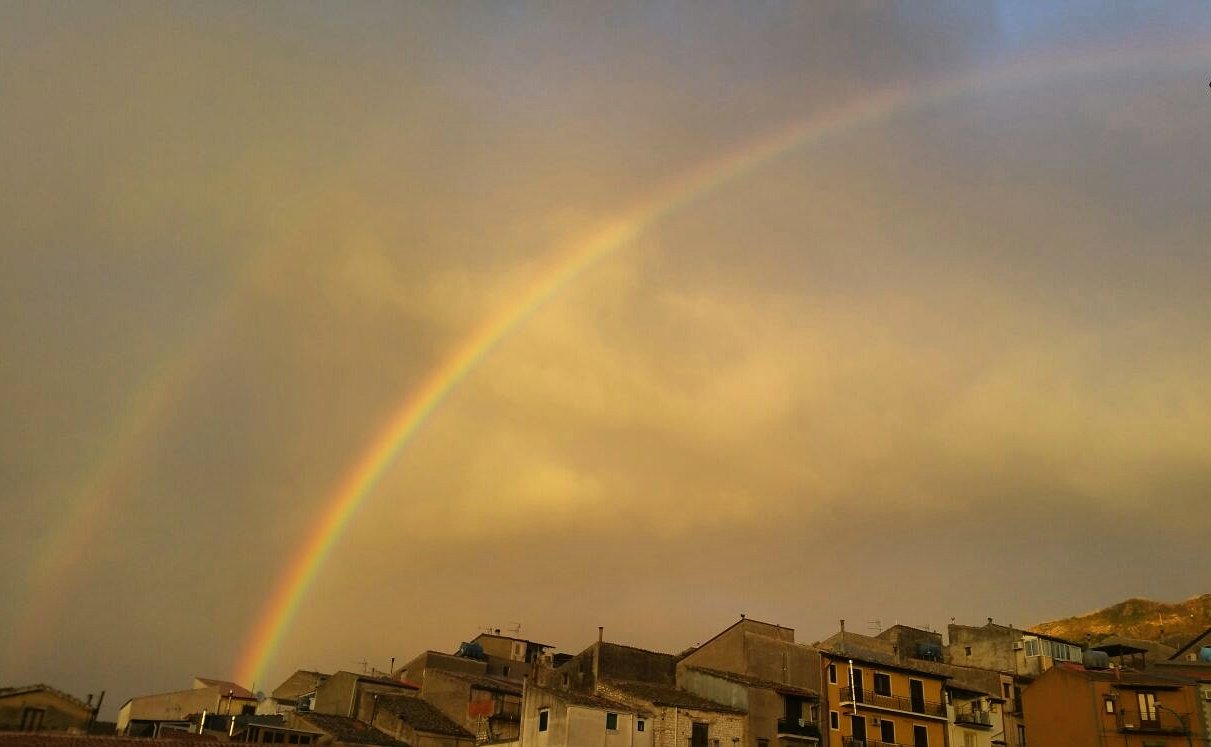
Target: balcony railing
[[972, 717], [852, 742], [798, 727], [893, 702], [1161, 722]]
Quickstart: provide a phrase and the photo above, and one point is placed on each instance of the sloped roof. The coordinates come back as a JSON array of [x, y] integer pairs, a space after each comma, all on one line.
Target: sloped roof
[[744, 679], [483, 682], [53, 739], [588, 700], [876, 651], [23, 689], [1130, 679], [227, 687], [1195, 641], [348, 730], [422, 716], [664, 695]]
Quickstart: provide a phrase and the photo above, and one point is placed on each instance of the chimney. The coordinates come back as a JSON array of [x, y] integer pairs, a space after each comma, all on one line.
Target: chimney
[[597, 654], [990, 621], [842, 635]]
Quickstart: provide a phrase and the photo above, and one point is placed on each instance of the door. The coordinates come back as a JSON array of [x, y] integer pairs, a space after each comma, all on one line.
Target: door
[[858, 688], [698, 735], [917, 694], [887, 731], [857, 727]]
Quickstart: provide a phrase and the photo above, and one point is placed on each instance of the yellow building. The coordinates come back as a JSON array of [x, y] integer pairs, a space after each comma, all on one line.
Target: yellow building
[[876, 697]]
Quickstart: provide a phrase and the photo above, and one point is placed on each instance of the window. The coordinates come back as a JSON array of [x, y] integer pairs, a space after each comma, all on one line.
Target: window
[[834, 721], [1147, 701], [832, 673], [1021, 734], [969, 739], [762, 743], [698, 734], [294, 739], [612, 721], [565, 680], [920, 736], [1109, 705], [31, 718], [505, 670], [883, 687], [967, 650], [1005, 690], [544, 717], [1031, 645], [305, 739], [887, 731], [639, 726]]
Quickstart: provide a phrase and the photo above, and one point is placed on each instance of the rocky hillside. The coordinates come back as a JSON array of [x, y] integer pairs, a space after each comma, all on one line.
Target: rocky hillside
[[1137, 618]]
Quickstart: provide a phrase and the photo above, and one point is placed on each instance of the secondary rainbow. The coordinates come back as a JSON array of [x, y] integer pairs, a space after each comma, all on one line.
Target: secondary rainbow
[[691, 186]]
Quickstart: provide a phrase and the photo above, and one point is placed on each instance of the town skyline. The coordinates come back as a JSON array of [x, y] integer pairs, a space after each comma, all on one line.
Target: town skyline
[[331, 329]]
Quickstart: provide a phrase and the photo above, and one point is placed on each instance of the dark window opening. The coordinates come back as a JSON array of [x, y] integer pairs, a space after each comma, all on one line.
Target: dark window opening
[[543, 719]]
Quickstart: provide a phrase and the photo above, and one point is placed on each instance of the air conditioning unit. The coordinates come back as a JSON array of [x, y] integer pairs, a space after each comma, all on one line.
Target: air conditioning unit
[[1017, 645], [802, 722]]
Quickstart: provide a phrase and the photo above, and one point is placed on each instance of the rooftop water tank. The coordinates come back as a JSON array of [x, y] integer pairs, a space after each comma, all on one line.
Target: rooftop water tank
[[1204, 654], [470, 650], [1096, 660]]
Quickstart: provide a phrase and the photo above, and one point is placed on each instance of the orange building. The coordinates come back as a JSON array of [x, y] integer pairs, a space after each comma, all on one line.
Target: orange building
[[1070, 706], [876, 697]]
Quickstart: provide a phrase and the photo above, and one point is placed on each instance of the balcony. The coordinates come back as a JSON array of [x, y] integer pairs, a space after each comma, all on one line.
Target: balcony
[[870, 698], [1160, 722], [973, 717], [506, 711], [852, 742], [798, 727]]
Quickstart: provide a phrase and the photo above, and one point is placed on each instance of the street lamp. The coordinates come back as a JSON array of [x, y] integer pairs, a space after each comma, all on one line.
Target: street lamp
[[1183, 719]]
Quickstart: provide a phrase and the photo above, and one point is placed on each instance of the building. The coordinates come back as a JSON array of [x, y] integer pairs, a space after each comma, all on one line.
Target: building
[[349, 694], [488, 707], [339, 730], [876, 695], [506, 656], [1020, 653], [270, 730], [566, 718], [414, 722], [646, 682], [146, 715], [1071, 706], [285, 697], [43, 708], [758, 668]]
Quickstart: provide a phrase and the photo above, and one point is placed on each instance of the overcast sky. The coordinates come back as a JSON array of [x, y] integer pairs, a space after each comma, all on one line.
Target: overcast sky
[[949, 361]]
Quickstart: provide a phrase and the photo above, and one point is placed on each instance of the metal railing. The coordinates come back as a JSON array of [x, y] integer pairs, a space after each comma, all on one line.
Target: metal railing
[[1161, 722], [973, 717], [798, 727], [893, 702], [854, 742]]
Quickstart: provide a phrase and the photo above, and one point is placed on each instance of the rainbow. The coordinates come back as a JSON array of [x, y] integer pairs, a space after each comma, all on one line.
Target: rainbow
[[410, 415]]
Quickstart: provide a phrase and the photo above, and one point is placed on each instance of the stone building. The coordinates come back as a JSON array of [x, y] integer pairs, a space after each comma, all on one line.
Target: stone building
[[43, 708], [758, 668]]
